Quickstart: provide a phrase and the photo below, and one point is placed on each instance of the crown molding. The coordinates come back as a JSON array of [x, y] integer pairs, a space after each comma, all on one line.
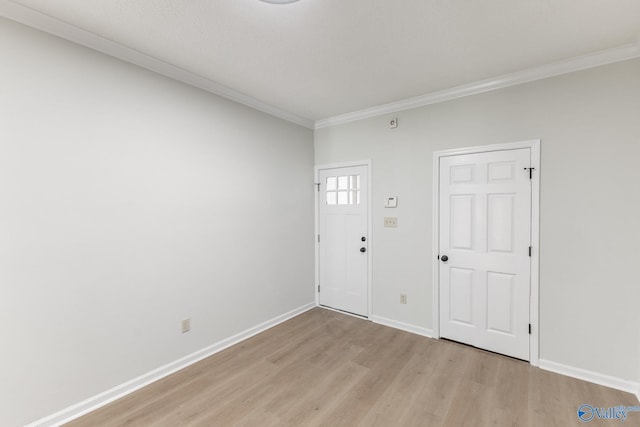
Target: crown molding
[[56, 27], [571, 65], [48, 24]]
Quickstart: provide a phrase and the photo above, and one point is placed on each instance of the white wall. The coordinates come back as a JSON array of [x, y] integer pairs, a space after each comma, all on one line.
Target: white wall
[[589, 124], [127, 202]]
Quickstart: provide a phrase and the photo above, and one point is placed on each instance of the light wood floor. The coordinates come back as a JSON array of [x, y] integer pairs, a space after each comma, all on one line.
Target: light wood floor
[[326, 368]]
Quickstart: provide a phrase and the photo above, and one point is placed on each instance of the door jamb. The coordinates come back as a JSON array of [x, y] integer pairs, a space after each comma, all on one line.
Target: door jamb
[[534, 145], [316, 180]]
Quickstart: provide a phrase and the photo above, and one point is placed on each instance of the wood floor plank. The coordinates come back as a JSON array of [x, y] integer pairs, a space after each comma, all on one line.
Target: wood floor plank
[[324, 368]]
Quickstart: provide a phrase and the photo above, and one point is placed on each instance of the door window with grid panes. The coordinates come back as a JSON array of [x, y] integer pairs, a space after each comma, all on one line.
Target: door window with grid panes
[[343, 190]]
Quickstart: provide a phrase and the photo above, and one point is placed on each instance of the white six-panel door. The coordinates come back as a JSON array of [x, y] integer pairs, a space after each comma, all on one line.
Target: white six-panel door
[[485, 234], [343, 246]]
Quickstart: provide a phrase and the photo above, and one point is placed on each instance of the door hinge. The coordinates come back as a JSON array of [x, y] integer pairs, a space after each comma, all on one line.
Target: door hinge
[[530, 172], [529, 328], [529, 250], [318, 288], [317, 184], [318, 238]]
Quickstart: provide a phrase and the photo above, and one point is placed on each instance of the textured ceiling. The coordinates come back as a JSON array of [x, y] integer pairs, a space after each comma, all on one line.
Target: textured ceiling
[[323, 58]]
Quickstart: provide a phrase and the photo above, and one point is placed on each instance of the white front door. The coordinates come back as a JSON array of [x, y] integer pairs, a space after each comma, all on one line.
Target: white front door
[[485, 235], [343, 239]]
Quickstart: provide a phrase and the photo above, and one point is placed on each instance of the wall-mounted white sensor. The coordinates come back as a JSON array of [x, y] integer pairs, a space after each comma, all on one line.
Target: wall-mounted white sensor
[[393, 123], [391, 202]]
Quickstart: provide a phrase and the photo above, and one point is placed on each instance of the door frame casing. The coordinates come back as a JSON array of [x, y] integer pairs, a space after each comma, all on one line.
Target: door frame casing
[[316, 180], [534, 315]]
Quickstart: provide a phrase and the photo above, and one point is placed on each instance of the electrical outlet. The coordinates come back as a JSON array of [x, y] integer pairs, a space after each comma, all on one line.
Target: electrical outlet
[[391, 222], [403, 298], [186, 325]]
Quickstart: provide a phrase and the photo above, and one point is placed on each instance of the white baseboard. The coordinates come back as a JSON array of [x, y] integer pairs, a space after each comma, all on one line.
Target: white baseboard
[[593, 377], [117, 392], [403, 326]]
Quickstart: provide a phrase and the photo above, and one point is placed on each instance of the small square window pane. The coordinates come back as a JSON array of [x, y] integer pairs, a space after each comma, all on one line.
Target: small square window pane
[[343, 197], [353, 182], [352, 197], [332, 182], [358, 182], [331, 197], [343, 182]]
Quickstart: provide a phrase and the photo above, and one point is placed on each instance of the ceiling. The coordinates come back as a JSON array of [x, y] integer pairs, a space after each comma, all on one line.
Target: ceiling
[[324, 58]]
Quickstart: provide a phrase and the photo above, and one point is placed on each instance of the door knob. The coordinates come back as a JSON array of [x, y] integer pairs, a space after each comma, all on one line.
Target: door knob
[[363, 249], [444, 258], [364, 239]]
